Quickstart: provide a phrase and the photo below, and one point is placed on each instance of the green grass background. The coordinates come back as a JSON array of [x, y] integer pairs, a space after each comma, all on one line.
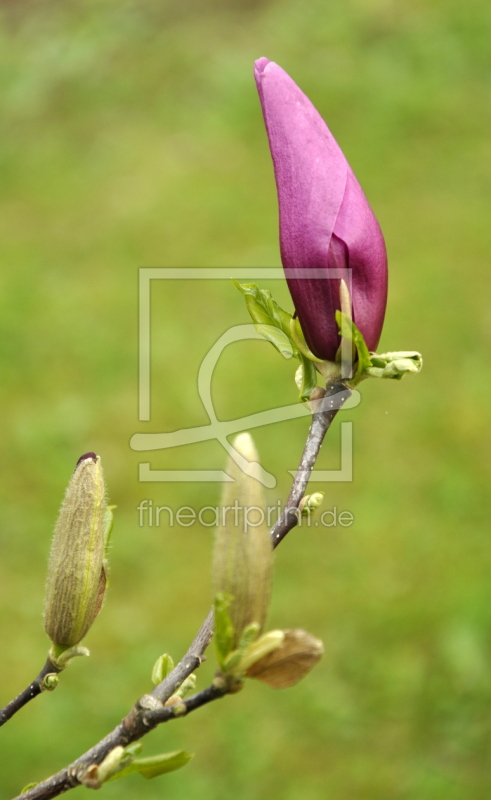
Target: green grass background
[[131, 135]]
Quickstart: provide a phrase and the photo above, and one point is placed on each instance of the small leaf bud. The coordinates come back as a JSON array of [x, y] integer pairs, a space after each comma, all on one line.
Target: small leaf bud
[[50, 682], [310, 503]]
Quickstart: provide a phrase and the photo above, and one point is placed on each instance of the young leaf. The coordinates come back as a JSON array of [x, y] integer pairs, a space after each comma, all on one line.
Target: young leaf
[[153, 766], [224, 629], [308, 379], [270, 320], [162, 667]]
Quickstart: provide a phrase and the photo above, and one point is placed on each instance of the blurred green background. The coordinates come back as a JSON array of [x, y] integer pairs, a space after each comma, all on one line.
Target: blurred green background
[[131, 135]]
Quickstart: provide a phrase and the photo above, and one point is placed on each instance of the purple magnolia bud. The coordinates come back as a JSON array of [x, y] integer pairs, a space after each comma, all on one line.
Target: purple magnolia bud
[[325, 220]]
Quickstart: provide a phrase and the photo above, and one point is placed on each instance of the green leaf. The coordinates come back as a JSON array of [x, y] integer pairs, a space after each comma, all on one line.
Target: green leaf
[[270, 320], [224, 629], [231, 662], [283, 331], [277, 338], [153, 766], [249, 636], [133, 749], [298, 339], [308, 380], [162, 667]]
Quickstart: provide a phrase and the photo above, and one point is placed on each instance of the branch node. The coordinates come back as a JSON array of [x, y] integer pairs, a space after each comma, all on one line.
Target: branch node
[[149, 703]]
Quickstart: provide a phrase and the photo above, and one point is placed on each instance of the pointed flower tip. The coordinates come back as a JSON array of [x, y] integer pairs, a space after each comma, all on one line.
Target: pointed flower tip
[[244, 444], [86, 457], [259, 67]]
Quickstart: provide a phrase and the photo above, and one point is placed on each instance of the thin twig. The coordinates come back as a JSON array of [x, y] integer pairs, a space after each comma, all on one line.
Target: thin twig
[[36, 687], [150, 711], [326, 409]]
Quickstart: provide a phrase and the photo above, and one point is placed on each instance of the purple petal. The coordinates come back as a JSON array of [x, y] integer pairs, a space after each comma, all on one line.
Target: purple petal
[[358, 228], [325, 219]]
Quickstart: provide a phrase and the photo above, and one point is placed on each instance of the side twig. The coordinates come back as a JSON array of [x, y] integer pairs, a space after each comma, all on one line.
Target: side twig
[[39, 684], [150, 711]]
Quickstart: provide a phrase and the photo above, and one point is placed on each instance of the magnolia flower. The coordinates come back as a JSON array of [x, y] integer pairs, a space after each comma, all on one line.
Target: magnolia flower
[[325, 220]]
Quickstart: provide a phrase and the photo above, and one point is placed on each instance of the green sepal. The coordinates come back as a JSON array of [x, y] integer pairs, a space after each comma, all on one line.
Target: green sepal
[[162, 667], [283, 331], [108, 528], [308, 378], [153, 766], [224, 629], [299, 341], [349, 331], [60, 656], [376, 365]]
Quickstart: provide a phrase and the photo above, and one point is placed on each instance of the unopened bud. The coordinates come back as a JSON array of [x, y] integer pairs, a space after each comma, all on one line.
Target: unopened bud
[[310, 503], [288, 663], [50, 682], [395, 365], [76, 572], [97, 774], [243, 555], [186, 687]]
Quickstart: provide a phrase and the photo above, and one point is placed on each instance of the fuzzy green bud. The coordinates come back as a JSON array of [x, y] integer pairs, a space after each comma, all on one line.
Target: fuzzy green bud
[[243, 555], [310, 503], [76, 572]]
